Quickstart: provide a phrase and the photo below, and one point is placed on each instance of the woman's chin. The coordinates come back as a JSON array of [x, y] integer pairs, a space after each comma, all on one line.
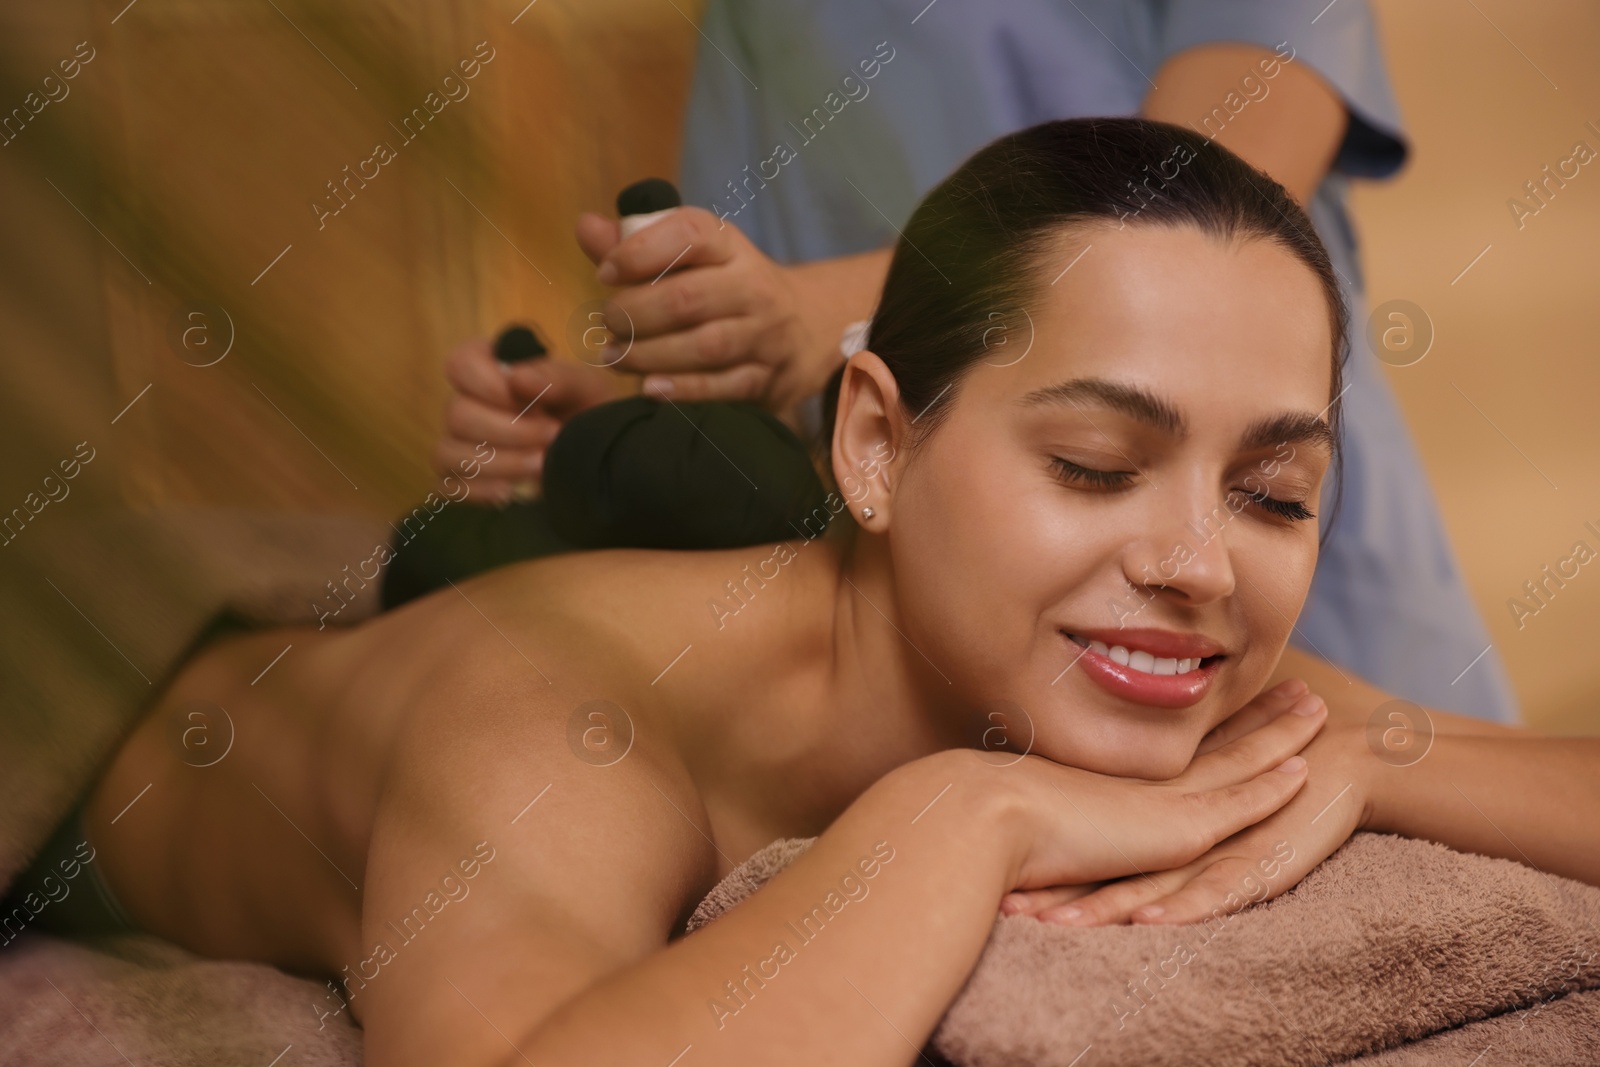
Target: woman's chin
[[1156, 760]]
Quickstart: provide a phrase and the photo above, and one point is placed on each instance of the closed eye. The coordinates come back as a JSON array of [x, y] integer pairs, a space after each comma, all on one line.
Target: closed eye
[[1089, 477], [1082, 477], [1292, 510]]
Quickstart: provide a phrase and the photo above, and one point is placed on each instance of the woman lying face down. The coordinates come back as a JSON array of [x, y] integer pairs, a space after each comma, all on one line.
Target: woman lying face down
[[1082, 450]]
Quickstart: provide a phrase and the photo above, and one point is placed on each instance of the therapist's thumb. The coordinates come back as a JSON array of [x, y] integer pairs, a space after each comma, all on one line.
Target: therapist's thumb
[[597, 235]]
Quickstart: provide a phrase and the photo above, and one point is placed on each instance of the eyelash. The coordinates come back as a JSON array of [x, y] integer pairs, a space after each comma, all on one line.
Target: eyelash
[[1088, 477]]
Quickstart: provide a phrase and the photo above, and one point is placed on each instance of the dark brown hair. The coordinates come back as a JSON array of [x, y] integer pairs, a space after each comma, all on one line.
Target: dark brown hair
[[974, 250]]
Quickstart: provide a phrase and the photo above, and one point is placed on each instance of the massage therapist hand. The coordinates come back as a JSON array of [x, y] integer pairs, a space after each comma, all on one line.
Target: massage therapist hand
[[1257, 863], [711, 317], [489, 406], [1082, 827]]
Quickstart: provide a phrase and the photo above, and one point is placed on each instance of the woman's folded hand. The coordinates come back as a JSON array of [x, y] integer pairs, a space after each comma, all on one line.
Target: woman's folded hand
[[1077, 826], [1254, 864]]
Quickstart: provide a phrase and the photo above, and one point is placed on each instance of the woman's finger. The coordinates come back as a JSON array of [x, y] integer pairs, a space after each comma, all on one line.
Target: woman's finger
[[1224, 887], [1033, 901], [1259, 750], [1215, 814], [1260, 711], [1111, 904]]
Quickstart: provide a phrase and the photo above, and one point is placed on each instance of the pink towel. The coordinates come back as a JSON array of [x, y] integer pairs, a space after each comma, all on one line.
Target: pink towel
[[1389, 941]]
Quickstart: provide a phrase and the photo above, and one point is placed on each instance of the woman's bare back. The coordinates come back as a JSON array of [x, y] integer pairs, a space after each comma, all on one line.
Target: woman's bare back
[[590, 736]]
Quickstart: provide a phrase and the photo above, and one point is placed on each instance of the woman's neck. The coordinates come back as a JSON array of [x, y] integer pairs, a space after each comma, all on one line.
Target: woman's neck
[[850, 697], [910, 703]]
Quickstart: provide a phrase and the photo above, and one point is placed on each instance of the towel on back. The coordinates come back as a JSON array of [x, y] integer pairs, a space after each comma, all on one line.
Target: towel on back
[[1388, 941]]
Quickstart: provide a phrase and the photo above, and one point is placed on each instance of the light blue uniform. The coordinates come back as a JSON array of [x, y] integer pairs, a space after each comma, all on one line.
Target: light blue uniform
[[875, 101]]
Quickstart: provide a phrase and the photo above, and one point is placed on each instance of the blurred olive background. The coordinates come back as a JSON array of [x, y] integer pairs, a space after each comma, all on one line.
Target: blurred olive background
[[181, 169]]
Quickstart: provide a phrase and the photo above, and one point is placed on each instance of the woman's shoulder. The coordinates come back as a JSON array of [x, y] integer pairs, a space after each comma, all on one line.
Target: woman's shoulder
[[643, 607], [647, 589]]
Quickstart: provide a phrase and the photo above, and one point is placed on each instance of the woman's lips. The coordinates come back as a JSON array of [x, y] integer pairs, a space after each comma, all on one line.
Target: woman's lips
[[1140, 686]]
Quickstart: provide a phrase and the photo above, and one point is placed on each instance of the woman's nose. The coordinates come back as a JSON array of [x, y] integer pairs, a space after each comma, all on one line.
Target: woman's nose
[[1185, 556]]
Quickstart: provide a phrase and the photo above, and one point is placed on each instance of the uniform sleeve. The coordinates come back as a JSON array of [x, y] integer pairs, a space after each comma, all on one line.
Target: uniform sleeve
[[1339, 40], [720, 121]]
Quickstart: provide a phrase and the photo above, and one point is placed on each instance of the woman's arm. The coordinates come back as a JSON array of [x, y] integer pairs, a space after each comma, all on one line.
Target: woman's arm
[[1352, 700], [853, 953], [1476, 786], [560, 952], [1529, 799], [849, 956]]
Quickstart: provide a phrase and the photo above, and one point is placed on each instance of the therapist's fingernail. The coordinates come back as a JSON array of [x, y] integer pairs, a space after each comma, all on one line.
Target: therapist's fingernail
[[1308, 705], [607, 273], [1292, 765], [1293, 687], [1148, 912], [658, 386]]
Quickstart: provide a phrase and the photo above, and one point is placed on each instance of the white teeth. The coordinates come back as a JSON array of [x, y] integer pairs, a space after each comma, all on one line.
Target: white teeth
[[1146, 662]]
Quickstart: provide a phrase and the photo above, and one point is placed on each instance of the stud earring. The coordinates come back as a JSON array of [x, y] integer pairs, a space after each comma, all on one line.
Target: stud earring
[[867, 513]]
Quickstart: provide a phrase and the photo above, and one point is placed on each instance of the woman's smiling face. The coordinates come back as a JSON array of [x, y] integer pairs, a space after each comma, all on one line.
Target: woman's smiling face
[[1115, 532]]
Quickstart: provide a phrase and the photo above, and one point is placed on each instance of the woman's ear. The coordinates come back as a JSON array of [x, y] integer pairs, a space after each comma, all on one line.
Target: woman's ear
[[869, 434]]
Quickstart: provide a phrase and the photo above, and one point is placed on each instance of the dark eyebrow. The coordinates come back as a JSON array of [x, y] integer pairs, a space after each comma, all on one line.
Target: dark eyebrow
[[1291, 427], [1130, 400]]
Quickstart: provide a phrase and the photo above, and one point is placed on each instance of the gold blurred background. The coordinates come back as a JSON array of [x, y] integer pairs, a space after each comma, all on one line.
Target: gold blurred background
[[183, 163]]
